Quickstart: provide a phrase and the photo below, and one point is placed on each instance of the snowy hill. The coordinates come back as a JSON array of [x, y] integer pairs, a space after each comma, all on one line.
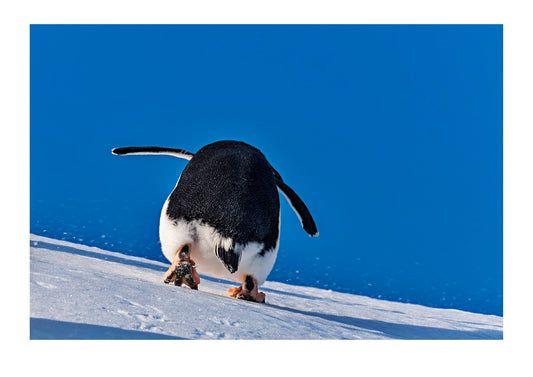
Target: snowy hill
[[81, 292]]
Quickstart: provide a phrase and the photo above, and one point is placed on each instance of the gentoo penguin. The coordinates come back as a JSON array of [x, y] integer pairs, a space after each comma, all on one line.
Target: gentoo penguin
[[224, 214]]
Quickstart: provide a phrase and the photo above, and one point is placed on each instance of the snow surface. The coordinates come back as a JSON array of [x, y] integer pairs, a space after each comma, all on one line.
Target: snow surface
[[82, 292]]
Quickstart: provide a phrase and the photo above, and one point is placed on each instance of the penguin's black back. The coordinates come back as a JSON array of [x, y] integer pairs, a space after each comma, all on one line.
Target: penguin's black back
[[230, 186]]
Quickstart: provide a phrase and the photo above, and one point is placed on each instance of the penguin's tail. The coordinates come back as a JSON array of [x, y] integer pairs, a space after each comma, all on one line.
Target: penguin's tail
[[297, 205], [299, 208], [180, 153]]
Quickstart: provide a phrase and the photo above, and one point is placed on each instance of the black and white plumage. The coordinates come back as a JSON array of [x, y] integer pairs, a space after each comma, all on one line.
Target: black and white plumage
[[226, 206]]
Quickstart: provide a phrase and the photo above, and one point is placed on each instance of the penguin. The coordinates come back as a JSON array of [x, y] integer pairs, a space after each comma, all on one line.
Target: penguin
[[224, 213]]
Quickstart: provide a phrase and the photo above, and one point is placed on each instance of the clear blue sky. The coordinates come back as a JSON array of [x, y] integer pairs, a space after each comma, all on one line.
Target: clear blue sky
[[392, 135]]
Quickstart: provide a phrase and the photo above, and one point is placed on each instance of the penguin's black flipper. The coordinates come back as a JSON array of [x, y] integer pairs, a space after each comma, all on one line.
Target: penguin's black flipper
[[180, 153], [298, 205], [229, 258]]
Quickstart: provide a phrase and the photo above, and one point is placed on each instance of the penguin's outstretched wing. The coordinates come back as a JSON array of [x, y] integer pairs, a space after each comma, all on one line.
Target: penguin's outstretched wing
[[297, 205], [180, 153]]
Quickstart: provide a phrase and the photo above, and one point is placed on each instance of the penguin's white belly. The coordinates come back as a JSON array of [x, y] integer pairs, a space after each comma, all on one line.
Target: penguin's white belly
[[203, 240]]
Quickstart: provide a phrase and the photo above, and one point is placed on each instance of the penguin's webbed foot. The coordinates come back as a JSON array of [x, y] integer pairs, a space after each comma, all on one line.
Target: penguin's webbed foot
[[177, 272], [259, 298], [181, 271], [247, 291]]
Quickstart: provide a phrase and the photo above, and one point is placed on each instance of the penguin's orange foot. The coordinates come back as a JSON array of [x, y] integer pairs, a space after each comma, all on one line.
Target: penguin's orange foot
[[247, 291], [259, 297], [181, 271], [233, 292]]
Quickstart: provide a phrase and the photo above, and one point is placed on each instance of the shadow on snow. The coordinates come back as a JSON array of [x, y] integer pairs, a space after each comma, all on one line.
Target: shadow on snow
[[400, 330], [41, 328]]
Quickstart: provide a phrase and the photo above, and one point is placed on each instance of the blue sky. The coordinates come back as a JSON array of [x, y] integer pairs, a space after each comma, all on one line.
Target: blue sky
[[392, 135]]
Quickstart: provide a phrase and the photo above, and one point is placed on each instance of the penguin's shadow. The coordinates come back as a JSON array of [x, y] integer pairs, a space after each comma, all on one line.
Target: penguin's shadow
[[399, 330], [95, 254]]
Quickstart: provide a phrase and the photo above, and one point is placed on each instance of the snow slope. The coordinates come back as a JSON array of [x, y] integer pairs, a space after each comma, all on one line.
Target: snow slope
[[81, 292]]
